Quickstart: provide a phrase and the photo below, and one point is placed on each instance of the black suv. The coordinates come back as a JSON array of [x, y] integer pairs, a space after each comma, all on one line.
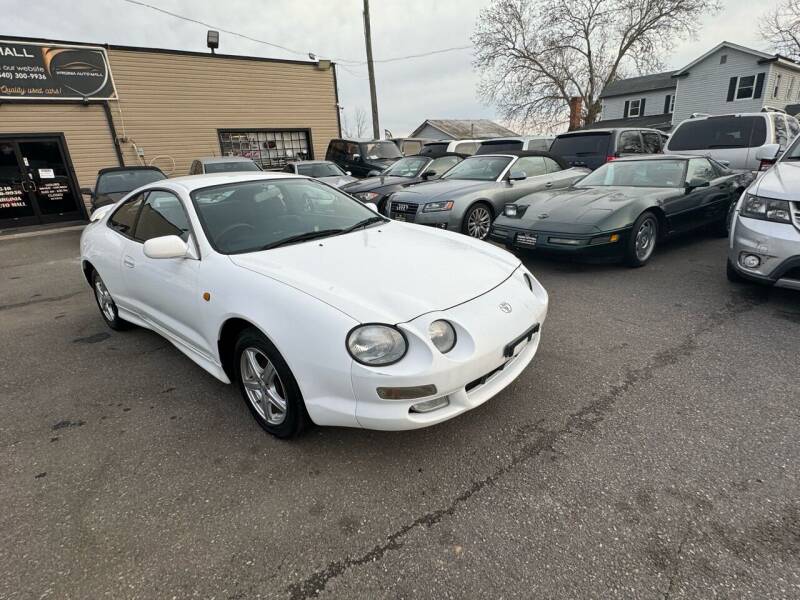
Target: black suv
[[114, 182], [362, 157], [592, 148]]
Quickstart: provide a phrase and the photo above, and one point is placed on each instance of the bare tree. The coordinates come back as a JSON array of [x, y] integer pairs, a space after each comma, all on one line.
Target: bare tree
[[534, 55], [781, 28], [356, 127]]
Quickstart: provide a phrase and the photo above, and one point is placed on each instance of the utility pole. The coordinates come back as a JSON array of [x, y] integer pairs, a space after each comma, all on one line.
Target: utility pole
[[376, 130]]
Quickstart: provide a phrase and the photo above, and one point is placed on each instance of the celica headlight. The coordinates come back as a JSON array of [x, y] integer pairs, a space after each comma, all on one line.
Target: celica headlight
[[443, 336], [438, 206], [766, 209], [376, 345]]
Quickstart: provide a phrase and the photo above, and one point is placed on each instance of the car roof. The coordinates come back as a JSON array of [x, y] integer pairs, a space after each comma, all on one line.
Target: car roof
[[606, 130], [133, 168], [658, 157], [517, 138], [310, 162], [196, 182], [218, 159]]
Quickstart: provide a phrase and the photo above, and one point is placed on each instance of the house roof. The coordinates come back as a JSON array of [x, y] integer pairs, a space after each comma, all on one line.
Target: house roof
[[634, 85], [465, 128], [660, 122], [757, 53]]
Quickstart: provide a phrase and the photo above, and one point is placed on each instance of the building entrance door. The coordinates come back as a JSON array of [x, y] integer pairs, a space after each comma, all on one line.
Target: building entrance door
[[37, 184]]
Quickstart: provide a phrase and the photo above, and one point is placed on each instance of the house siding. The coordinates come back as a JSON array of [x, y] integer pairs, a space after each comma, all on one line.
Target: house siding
[[782, 99], [705, 88], [431, 133], [614, 108]]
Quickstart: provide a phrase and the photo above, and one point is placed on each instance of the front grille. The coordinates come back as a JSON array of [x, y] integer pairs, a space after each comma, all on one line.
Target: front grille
[[403, 210], [481, 380]]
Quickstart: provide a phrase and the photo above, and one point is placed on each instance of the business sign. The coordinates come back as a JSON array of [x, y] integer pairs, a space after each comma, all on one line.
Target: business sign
[[54, 72]]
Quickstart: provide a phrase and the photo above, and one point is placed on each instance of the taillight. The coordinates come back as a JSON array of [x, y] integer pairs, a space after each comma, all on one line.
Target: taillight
[[765, 165], [610, 157]]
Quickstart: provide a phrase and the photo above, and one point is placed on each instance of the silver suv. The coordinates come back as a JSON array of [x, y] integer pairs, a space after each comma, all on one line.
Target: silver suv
[[734, 140], [765, 229]]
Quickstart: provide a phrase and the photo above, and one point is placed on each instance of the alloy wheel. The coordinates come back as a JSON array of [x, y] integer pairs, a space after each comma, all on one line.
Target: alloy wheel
[[478, 222], [263, 385], [104, 300], [645, 239]]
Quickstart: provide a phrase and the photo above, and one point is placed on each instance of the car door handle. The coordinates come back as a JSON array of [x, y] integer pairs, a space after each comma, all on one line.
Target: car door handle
[[548, 184], [128, 262]]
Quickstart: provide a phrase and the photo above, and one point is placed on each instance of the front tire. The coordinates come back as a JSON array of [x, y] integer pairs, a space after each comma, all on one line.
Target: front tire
[[106, 304], [478, 221], [642, 241], [268, 387]]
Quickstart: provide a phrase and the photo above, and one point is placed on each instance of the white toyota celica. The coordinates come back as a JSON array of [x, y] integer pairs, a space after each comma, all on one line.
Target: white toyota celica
[[313, 303]]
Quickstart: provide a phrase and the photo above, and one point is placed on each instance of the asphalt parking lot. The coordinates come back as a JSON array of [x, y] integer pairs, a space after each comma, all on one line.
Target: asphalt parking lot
[[651, 450]]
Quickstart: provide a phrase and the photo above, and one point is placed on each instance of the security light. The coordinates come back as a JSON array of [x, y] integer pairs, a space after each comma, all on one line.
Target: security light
[[212, 40]]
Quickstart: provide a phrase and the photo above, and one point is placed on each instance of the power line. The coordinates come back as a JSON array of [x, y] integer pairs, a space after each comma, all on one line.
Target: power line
[[286, 49]]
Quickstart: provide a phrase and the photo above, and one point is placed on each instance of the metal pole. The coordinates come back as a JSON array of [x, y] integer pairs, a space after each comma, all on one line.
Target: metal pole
[[376, 130]]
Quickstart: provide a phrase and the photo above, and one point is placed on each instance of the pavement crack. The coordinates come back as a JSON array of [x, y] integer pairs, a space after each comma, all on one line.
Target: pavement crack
[[584, 420], [39, 301], [673, 580]]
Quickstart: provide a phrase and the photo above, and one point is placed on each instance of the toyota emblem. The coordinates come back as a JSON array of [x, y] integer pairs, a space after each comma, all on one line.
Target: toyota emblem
[[506, 307]]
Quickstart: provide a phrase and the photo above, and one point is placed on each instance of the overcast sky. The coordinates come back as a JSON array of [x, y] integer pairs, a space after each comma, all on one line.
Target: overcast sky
[[438, 86]]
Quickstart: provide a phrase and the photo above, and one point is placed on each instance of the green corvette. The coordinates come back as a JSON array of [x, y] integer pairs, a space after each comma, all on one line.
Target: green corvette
[[624, 209]]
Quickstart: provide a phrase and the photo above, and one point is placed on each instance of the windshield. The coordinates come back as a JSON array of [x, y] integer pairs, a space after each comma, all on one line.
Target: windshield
[[375, 150], [719, 132], [585, 144], [320, 170], [411, 166], [231, 166], [249, 216], [118, 182], [479, 168], [638, 173]]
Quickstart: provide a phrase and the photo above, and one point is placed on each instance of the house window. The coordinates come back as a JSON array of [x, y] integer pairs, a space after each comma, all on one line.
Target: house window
[[671, 104], [745, 87], [777, 89], [269, 148], [723, 59], [790, 89], [635, 108]]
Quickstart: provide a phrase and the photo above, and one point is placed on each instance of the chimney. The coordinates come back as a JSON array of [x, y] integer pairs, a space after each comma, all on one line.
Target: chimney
[[575, 113]]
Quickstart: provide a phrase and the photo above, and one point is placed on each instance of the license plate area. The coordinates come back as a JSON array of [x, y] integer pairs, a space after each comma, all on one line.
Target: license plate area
[[516, 346], [529, 240]]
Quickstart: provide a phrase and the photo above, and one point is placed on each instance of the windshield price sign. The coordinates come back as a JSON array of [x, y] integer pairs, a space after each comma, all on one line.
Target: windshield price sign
[[51, 71]]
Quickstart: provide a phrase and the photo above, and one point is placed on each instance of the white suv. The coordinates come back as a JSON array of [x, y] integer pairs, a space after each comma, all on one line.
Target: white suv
[[734, 140], [765, 228]]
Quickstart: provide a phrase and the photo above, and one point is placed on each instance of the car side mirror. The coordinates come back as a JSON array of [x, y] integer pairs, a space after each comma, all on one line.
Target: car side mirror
[[696, 183], [348, 173], [168, 246], [87, 191], [428, 174], [517, 176], [768, 153], [373, 173]]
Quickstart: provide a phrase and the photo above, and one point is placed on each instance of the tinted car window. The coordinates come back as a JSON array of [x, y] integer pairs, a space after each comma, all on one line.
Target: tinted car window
[[583, 144], [652, 142], [374, 150], [229, 166], [495, 147], [319, 170], [124, 217], [781, 131], [434, 148], [411, 147], [542, 145], [629, 141], [794, 127], [467, 147], [162, 214], [532, 166], [126, 181], [719, 132]]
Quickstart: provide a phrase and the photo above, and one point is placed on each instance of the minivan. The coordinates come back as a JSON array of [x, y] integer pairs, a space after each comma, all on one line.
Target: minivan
[[592, 148], [362, 158], [735, 139], [537, 143], [466, 147]]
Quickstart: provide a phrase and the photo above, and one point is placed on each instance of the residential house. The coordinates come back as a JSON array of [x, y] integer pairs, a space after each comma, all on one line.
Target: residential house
[[727, 79], [460, 129]]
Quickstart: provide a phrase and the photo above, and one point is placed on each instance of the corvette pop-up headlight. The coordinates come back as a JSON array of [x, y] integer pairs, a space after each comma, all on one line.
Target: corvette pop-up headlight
[[376, 345], [514, 211], [766, 209], [438, 206], [442, 335]]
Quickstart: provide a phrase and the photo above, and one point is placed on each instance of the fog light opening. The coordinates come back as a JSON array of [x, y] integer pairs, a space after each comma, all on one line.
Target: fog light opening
[[430, 405], [750, 261]]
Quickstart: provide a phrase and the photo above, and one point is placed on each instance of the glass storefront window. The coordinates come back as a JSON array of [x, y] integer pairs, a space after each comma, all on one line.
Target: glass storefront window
[[269, 149]]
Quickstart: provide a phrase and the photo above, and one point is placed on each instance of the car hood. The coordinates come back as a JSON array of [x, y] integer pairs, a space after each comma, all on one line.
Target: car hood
[[387, 274], [428, 190], [373, 184], [579, 209], [338, 180], [781, 182]]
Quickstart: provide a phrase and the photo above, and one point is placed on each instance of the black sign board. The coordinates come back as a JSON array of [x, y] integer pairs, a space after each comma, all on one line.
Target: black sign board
[[51, 71]]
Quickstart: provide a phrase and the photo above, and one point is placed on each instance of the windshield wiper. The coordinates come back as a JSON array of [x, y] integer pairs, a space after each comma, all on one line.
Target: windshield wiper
[[364, 223], [302, 237]]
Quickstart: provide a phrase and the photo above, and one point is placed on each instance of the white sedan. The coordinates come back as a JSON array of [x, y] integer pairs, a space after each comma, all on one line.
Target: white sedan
[[316, 306]]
